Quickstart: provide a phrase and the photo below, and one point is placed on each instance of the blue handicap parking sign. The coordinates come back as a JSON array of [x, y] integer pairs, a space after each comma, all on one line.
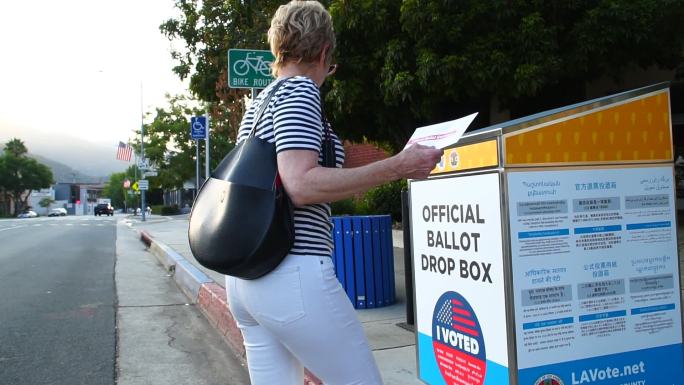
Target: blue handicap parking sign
[[198, 127]]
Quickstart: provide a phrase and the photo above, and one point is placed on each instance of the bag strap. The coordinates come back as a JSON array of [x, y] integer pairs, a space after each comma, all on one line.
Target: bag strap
[[327, 144], [324, 120], [263, 106]]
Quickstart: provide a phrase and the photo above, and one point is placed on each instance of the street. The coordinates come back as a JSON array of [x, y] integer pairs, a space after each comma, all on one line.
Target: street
[[57, 309], [85, 303]]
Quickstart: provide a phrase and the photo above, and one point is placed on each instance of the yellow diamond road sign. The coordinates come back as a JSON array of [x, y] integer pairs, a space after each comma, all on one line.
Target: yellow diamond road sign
[[135, 186]]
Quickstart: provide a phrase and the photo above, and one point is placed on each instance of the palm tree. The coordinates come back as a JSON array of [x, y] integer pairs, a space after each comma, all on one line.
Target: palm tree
[[16, 148]]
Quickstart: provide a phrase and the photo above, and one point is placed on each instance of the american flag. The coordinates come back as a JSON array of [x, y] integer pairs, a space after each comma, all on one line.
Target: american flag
[[454, 313], [124, 152]]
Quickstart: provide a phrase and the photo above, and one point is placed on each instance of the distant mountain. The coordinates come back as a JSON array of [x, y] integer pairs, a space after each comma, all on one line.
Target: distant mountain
[[86, 158], [65, 174]]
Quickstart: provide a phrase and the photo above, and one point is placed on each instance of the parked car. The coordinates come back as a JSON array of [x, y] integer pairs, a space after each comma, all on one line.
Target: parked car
[[58, 212], [28, 214], [104, 208]]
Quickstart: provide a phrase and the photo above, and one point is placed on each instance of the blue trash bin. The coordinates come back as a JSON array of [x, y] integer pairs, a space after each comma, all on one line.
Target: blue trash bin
[[364, 259]]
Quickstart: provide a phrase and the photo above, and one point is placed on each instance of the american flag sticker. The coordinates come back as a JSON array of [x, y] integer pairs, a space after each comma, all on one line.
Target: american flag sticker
[[549, 379], [457, 341]]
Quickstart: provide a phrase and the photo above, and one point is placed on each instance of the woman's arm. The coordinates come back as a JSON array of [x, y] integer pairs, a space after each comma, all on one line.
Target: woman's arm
[[307, 183]]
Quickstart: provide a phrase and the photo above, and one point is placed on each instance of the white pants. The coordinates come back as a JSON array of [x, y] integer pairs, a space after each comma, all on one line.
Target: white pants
[[299, 316]]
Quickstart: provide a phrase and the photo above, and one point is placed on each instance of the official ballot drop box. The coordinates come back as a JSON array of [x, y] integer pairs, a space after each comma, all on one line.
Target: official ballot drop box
[[545, 250]]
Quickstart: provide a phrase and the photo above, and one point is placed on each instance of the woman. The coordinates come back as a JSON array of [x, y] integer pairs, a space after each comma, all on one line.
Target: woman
[[298, 315]]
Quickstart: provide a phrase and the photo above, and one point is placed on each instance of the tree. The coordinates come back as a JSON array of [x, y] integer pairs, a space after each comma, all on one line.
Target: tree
[[46, 202], [356, 103], [169, 146], [404, 64], [208, 29], [19, 174], [16, 148], [4, 181], [425, 61], [114, 189]]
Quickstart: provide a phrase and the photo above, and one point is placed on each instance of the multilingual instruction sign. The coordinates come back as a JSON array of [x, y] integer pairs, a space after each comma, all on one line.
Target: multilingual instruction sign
[[458, 275], [596, 277]]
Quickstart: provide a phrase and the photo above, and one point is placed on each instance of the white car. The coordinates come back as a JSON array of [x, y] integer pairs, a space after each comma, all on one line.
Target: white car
[[28, 214], [58, 212]]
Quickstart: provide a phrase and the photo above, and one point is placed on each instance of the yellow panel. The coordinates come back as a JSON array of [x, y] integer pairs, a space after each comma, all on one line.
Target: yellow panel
[[638, 130], [468, 157]]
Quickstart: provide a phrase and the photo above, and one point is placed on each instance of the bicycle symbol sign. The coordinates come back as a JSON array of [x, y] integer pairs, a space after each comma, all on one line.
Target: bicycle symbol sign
[[249, 68]]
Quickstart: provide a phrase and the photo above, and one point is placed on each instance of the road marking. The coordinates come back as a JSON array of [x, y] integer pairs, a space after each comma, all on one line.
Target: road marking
[[14, 227], [100, 224], [37, 225], [84, 224], [69, 224]]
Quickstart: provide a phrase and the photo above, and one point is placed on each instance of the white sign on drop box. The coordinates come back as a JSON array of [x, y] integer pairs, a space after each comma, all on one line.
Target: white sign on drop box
[[441, 135]]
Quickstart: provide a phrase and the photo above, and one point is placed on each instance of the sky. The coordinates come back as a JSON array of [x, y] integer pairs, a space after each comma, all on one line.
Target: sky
[[75, 67]]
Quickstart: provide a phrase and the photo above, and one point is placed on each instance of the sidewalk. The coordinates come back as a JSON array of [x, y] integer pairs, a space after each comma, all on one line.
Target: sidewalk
[[393, 346], [161, 338]]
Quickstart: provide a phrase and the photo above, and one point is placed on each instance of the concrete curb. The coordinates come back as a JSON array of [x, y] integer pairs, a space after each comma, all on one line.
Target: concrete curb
[[207, 294]]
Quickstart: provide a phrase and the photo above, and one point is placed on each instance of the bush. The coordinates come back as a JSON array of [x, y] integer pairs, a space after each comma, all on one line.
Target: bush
[[170, 210], [349, 206], [343, 207], [385, 199], [157, 209]]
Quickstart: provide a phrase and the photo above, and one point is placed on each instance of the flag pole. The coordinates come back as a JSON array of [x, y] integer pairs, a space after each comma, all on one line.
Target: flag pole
[[125, 191]]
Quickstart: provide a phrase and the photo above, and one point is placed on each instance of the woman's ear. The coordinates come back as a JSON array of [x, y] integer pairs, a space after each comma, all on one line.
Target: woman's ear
[[323, 55]]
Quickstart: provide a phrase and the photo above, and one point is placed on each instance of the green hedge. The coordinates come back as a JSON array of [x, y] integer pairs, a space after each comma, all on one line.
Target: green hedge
[[343, 207], [385, 199], [170, 210], [157, 209]]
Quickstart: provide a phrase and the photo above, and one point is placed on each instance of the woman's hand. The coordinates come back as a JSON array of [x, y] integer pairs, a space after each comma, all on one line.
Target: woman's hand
[[417, 161], [306, 182]]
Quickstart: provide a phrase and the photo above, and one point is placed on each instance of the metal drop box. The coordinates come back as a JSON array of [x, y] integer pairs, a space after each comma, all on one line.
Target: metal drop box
[[544, 250]]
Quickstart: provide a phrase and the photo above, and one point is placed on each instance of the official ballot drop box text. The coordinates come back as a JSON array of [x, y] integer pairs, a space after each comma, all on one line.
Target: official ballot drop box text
[[545, 250]]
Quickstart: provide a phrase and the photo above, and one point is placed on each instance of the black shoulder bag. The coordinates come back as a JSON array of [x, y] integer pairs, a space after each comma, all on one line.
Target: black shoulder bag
[[242, 221]]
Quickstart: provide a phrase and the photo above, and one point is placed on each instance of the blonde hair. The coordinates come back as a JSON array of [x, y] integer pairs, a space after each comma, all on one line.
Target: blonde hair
[[299, 31]]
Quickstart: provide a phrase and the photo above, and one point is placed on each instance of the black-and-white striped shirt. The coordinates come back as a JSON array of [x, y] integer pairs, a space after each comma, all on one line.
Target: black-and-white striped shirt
[[293, 121]]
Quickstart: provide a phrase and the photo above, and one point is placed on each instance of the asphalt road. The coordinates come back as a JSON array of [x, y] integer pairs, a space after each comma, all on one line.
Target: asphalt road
[[57, 306]]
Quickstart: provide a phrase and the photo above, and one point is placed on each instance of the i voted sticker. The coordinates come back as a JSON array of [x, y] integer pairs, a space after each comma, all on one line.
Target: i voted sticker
[[457, 341]]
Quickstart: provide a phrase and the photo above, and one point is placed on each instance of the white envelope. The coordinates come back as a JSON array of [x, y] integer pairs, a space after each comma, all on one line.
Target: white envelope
[[441, 135]]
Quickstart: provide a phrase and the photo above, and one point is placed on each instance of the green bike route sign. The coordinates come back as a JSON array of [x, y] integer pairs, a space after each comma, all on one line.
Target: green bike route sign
[[249, 68]]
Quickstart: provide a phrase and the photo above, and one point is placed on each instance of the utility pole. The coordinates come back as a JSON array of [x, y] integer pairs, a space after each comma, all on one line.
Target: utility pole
[[142, 151], [206, 166]]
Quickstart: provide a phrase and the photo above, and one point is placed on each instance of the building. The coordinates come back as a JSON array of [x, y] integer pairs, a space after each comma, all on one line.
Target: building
[[78, 198], [39, 195], [181, 198]]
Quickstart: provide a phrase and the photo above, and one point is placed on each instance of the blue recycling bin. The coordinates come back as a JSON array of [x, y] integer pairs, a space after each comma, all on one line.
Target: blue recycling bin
[[364, 259]]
